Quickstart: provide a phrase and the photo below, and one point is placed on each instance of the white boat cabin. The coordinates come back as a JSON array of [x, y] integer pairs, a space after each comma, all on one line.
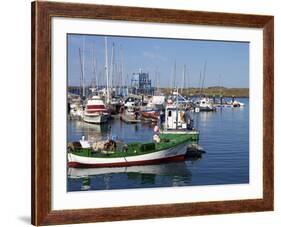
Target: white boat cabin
[[204, 103], [175, 118]]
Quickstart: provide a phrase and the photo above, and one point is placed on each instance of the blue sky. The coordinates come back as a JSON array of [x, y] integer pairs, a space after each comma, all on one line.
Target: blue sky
[[227, 63]]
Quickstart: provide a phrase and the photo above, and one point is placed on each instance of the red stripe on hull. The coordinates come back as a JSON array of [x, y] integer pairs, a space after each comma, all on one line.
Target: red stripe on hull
[[97, 111], [122, 164], [93, 107]]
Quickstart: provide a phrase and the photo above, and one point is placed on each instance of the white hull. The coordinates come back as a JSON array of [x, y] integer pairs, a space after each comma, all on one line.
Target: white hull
[[179, 132], [177, 151], [95, 119]]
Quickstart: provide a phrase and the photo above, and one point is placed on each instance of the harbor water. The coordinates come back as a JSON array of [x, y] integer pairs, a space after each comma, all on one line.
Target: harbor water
[[224, 135]]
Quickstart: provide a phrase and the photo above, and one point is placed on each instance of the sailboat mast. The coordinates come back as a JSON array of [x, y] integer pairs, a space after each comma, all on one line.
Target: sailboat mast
[[83, 63], [154, 84], [155, 77], [96, 72], [94, 80], [175, 72], [183, 78], [113, 72], [122, 67], [81, 68], [106, 70], [204, 77], [112, 65], [220, 85], [158, 82], [199, 87], [177, 110], [187, 80]]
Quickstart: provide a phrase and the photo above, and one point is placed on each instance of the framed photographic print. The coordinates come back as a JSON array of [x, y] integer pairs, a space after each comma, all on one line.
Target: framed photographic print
[[142, 113]]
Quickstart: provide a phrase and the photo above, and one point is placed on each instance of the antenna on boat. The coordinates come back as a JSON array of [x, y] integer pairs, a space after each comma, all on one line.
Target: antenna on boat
[[106, 70]]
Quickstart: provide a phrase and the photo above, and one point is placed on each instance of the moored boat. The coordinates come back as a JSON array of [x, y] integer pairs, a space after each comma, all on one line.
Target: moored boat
[[204, 104], [150, 115], [129, 115], [232, 103], [236, 103], [95, 111], [172, 147], [115, 105], [169, 144]]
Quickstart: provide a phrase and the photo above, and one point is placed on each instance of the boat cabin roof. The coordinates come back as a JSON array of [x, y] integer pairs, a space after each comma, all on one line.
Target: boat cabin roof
[[173, 108]]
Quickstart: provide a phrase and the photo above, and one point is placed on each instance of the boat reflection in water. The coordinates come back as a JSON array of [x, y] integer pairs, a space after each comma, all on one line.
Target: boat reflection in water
[[162, 175], [92, 132]]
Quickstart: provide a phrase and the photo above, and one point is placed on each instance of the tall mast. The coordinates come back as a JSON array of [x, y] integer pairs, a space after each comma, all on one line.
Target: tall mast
[[177, 110], [96, 72], [220, 85], [112, 65], [127, 81], [187, 80], [122, 66], [95, 77], [204, 76], [183, 78], [199, 87], [106, 70], [81, 68], [155, 80], [175, 73], [83, 63], [117, 68], [158, 81]]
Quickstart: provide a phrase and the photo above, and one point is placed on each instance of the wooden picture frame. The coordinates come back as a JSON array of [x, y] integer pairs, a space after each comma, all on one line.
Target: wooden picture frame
[[42, 13]]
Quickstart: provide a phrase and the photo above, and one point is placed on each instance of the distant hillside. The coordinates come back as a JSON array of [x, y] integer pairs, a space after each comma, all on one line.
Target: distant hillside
[[213, 91]]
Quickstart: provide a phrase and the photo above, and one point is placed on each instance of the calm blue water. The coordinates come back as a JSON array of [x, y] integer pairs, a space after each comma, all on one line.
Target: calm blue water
[[224, 135]]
